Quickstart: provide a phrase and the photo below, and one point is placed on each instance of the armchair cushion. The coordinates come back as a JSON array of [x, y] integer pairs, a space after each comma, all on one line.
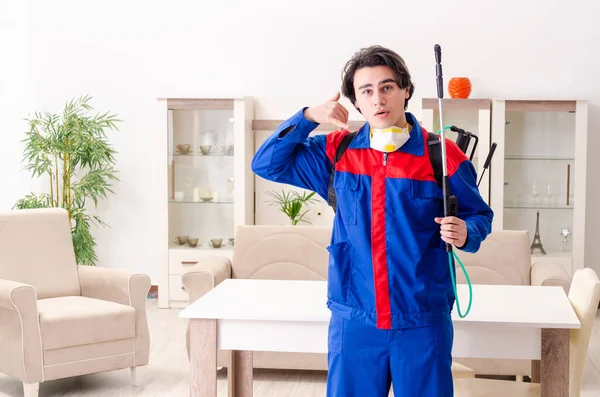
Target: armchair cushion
[[122, 287], [503, 258], [76, 320], [282, 252], [36, 248]]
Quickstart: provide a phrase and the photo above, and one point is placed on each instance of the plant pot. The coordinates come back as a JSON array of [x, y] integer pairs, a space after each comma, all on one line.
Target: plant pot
[[459, 87]]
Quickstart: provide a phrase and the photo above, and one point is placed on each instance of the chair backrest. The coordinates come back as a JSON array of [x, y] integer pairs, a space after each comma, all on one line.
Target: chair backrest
[[36, 248], [504, 258], [584, 296], [281, 252]]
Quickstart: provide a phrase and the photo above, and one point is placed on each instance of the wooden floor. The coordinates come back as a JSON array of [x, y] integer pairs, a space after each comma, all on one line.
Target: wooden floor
[[167, 373]]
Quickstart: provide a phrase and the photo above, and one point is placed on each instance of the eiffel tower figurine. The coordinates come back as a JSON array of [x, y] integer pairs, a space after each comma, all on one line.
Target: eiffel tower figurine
[[537, 242]]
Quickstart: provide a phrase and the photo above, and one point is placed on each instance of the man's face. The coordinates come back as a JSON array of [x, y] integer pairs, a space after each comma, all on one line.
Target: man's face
[[379, 98]]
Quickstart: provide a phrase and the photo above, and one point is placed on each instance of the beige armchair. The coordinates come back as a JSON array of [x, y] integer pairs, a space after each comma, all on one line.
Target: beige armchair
[[274, 252], [58, 319]]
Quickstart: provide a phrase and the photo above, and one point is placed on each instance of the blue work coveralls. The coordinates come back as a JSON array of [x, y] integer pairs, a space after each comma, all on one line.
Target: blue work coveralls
[[389, 285]]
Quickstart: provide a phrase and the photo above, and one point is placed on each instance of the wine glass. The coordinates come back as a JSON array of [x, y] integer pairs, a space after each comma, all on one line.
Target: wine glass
[[534, 193], [549, 194]]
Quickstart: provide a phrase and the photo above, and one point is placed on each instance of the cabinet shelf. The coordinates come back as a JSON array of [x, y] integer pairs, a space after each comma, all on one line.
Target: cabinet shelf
[[538, 207], [199, 202], [542, 158], [203, 247], [556, 254], [201, 155]]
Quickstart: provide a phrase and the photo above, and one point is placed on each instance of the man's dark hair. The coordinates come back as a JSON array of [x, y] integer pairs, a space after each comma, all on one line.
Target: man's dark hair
[[375, 56]]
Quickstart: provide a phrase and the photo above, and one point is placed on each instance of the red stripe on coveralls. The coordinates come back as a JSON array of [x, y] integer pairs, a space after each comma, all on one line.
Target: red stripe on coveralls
[[378, 250]]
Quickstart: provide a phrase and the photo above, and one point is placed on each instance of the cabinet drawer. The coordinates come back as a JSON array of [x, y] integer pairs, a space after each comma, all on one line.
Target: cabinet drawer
[[182, 264], [182, 261]]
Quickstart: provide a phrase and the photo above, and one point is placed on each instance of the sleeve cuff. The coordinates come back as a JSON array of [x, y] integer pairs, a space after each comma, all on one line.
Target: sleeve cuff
[[466, 242], [472, 243]]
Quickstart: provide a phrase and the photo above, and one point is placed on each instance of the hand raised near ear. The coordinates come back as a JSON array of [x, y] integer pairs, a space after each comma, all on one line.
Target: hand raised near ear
[[330, 111]]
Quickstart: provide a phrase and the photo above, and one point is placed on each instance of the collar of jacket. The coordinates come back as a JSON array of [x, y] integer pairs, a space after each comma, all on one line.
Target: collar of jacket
[[414, 145]]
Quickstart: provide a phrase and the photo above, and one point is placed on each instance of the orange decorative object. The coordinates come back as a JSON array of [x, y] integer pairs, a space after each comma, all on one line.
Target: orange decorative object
[[459, 87]]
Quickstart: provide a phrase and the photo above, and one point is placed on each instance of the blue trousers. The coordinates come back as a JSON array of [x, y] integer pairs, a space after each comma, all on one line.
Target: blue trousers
[[365, 361]]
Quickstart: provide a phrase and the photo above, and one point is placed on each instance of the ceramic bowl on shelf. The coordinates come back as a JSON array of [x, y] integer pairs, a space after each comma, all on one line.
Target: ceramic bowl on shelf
[[181, 240], [216, 242], [184, 148], [205, 149], [193, 242]]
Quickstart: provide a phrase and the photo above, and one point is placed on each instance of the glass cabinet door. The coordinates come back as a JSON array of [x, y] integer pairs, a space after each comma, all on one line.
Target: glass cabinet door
[[538, 168], [542, 156], [201, 176]]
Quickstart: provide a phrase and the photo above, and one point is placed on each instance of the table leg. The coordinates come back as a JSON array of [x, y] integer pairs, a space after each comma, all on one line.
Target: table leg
[[554, 366], [239, 374], [535, 371], [203, 358]]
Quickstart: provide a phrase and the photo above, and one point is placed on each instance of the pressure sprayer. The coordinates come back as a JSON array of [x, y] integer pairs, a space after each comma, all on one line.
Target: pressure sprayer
[[450, 204]]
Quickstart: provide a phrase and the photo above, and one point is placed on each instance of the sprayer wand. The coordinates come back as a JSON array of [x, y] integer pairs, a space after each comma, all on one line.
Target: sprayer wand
[[450, 205], [449, 200]]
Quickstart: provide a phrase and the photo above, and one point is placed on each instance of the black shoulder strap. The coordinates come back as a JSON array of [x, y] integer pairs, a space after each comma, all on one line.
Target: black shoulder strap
[[435, 156], [341, 149]]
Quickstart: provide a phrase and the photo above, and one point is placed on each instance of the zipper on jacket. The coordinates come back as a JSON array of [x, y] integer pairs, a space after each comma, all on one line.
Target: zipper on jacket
[[385, 156]]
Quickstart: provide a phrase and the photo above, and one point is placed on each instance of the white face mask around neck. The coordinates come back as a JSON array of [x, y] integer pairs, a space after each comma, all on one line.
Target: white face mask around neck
[[390, 139]]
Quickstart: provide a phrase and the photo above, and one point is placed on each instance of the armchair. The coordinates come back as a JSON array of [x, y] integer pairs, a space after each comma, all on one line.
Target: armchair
[[58, 319]]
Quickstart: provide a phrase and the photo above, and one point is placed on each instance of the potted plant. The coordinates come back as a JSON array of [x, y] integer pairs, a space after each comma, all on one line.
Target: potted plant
[[73, 152], [291, 203]]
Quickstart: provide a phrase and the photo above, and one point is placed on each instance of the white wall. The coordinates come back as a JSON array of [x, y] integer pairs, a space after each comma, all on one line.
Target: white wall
[[17, 98], [126, 54]]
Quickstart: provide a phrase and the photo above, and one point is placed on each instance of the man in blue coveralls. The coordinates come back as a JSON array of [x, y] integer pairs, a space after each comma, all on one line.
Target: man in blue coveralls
[[389, 285]]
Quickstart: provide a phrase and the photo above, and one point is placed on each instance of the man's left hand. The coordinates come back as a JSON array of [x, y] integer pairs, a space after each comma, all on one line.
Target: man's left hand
[[453, 230]]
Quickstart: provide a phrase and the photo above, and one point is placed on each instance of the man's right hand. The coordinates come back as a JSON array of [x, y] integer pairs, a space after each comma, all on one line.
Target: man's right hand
[[330, 111]]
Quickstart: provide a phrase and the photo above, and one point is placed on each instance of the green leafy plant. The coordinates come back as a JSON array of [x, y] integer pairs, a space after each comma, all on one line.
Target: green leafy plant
[[291, 203], [73, 151]]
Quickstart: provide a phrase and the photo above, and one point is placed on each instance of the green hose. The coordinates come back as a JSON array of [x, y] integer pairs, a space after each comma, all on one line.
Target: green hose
[[446, 128], [452, 270]]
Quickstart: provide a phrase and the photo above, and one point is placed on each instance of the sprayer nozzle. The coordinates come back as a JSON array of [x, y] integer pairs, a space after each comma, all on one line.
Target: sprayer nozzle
[[438, 71], [438, 53]]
